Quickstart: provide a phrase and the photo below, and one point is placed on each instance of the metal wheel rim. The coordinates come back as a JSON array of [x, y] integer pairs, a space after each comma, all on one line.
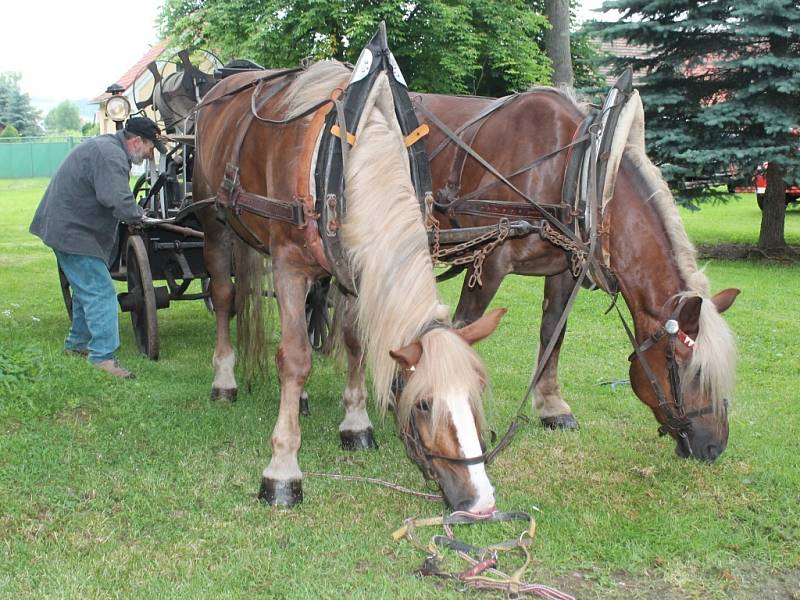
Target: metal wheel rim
[[140, 284]]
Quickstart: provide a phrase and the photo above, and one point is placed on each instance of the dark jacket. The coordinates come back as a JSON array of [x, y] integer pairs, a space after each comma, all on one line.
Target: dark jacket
[[87, 198]]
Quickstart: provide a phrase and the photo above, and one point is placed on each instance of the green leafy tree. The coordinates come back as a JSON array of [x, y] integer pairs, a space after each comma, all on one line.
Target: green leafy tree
[[722, 87], [62, 118], [90, 129], [15, 106], [487, 47], [9, 132]]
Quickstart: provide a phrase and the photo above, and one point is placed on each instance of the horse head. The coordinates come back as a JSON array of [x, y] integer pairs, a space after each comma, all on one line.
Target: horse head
[[684, 360], [682, 372], [438, 411]]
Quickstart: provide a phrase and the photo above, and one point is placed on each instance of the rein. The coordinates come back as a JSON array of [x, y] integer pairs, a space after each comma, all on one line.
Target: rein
[[482, 573]]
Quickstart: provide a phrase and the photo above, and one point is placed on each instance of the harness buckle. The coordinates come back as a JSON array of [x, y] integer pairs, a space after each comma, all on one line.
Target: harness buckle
[[332, 216], [229, 188]]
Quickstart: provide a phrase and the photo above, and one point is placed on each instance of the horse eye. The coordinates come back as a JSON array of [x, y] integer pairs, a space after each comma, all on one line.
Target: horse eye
[[423, 406]]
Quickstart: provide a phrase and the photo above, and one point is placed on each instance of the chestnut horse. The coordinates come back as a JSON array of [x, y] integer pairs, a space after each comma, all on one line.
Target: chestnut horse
[[403, 325], [648, 253]]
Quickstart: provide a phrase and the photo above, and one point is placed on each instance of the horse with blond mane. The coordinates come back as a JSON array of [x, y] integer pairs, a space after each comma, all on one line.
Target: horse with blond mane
[[255, 172], [683, 364]]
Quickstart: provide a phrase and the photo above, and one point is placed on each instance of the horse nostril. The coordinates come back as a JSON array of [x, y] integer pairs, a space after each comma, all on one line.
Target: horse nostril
[[464, 505], [711, 452]]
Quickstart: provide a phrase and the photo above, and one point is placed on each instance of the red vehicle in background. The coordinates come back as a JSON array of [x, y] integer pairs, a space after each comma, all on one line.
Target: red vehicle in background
[[760, 179]]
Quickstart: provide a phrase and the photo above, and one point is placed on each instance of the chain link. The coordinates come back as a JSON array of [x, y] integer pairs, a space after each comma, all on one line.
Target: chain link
[[486, 243], [576, 252]]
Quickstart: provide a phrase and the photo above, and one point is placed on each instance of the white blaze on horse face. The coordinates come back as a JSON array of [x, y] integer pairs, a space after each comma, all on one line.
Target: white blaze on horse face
[[467, 433]]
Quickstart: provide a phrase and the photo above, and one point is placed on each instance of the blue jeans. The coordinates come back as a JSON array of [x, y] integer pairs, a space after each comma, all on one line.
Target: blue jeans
[[95, 325]]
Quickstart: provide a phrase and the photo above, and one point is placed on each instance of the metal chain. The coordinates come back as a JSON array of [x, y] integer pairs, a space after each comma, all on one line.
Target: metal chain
[[432, 224], [489, 241], [576, 252]]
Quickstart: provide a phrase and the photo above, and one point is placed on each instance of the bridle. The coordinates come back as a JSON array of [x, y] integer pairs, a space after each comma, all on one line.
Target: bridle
[[415, 447], [677, 421], [417, 452]]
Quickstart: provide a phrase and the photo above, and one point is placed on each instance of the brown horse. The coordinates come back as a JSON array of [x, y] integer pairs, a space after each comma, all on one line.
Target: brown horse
[[646, 247], [403, 326]]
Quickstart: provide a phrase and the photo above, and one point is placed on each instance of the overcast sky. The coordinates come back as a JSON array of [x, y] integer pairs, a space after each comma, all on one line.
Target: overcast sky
[[75, 50]]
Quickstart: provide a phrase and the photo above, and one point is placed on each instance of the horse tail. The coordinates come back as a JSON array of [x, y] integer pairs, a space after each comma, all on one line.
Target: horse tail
[[334, 345], [253, 319]]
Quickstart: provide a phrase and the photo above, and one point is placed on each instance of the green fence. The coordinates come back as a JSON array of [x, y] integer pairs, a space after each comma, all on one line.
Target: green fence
[[33, 156]]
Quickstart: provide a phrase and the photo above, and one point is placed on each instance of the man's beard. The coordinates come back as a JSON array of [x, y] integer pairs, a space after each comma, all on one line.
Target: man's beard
[[138, 157]]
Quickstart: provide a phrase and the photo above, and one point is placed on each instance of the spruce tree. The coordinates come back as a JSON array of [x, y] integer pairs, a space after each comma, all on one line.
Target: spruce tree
[[15, 106], [722, 89]]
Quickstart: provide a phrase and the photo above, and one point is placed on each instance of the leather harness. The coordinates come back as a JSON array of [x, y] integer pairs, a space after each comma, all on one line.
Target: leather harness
[[320, 214]]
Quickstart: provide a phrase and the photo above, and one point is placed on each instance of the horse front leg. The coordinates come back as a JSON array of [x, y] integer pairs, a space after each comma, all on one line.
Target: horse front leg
[[282, 480], [355, 431], [473, 300], [217, 252], [554, 412]]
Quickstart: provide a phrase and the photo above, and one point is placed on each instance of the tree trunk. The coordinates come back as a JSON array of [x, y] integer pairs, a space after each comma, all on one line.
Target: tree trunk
[[774, 213], [556, 42]]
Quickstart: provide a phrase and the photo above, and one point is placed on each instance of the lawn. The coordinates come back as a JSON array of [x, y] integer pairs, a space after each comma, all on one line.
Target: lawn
[[146, 488]]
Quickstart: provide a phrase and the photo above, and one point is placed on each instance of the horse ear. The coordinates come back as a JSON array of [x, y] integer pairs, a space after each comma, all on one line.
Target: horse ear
[[483, 327], [407, 356], [690, 314], [725, 298]]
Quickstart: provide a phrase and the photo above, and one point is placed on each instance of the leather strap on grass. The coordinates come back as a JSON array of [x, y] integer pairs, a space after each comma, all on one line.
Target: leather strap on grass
[[482, 573]]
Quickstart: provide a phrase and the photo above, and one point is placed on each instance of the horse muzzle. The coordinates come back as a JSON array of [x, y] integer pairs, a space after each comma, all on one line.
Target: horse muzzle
[[701, 443]]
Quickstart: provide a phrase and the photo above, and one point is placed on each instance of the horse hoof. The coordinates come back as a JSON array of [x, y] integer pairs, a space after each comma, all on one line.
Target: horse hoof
[[358, 440], [228, 395], [281, 492], [304, 412], [560, 422]]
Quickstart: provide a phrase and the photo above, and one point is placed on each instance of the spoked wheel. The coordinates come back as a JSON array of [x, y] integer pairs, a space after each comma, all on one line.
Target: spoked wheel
[[319, 309], [141, 298], [142, 187], [66, 292]]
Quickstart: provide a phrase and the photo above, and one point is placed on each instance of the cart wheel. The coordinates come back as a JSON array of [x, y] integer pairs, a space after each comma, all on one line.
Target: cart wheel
[[205, 285], [141, 188], [66, 292], [143, 298], [319, 307]]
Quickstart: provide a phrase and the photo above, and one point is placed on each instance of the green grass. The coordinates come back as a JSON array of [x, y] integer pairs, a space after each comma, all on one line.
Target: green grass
[[735, 222], [146, 488]]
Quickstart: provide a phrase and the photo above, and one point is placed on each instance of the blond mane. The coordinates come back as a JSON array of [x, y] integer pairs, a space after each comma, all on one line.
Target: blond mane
[[388, 250]]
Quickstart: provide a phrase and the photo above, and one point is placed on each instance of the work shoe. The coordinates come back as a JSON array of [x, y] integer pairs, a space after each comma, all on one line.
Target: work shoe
[[82, 352], [112, 367]]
